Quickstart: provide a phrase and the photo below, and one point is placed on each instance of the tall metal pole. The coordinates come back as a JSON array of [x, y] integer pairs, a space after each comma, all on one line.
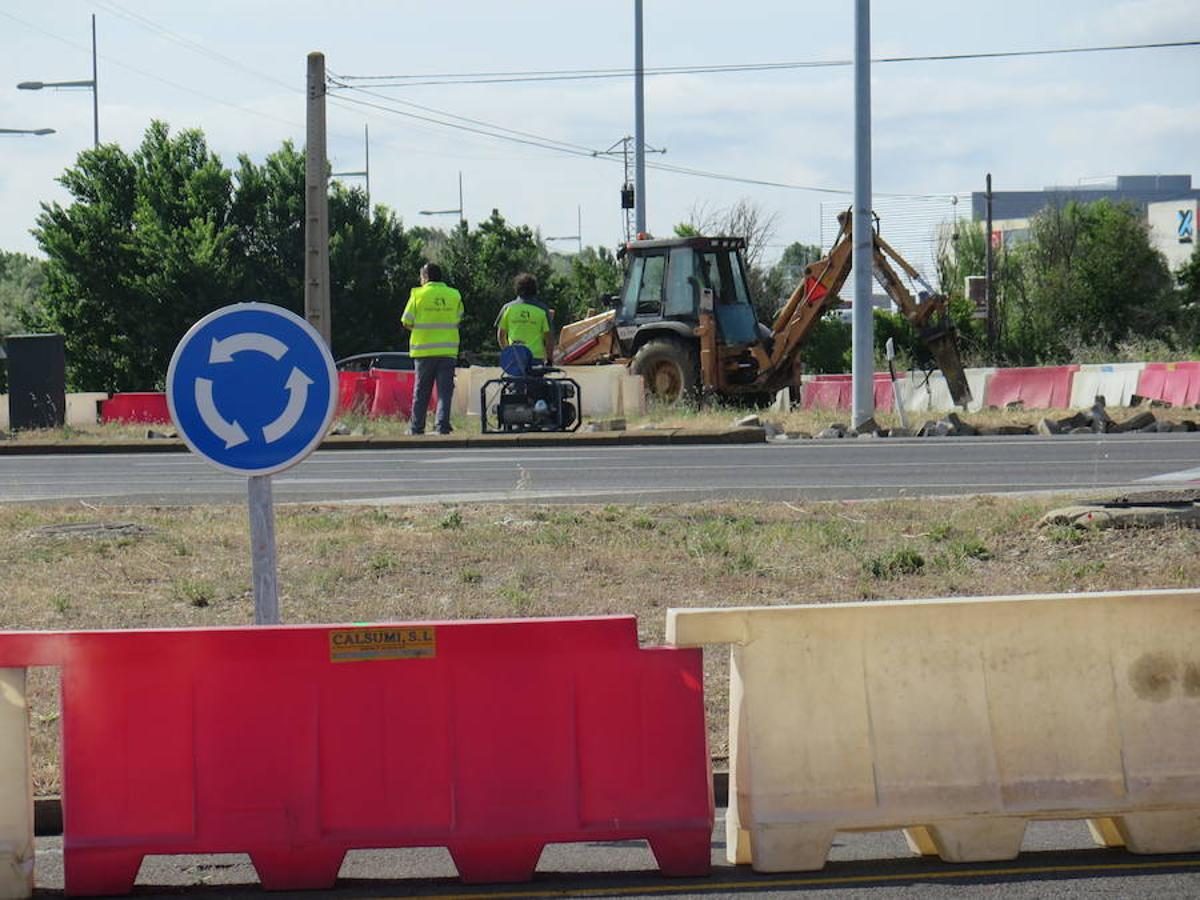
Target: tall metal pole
[[639, 130], [95, 91], [862, 339], [316, 205], [579, 226], [991, 313], [462, 214], [367, 166], [262, 550]]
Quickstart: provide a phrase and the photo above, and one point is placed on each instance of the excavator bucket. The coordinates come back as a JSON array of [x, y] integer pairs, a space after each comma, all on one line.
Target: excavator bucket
[[942, 342]]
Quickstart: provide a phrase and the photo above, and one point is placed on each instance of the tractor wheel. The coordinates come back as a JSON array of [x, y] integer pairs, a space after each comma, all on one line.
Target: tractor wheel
[[669, 368]]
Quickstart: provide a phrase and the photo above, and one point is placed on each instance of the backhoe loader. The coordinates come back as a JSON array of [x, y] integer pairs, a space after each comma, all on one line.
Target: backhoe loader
[[684, 319]]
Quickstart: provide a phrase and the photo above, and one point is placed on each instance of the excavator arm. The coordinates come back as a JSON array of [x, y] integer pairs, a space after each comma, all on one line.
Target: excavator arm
[[818, 292]]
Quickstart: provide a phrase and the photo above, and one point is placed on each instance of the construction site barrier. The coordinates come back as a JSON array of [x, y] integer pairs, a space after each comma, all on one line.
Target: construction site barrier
[[297, 744], [836, 392], [144, 408], [1047, 387], [1177, 383], [356, 392], [84, 408], [16, 790], [959, 721], [928, 391], [1115, 382]]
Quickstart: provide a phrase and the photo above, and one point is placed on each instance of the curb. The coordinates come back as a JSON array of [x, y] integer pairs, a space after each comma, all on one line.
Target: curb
[[647, 437], [48, 816]]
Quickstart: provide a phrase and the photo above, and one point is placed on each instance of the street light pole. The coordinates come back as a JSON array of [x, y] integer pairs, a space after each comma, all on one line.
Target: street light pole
[[365, 172], [38, 131], [91, 84], [95, 92]]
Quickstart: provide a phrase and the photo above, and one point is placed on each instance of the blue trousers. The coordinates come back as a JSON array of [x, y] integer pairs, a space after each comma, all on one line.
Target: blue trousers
[[432, 370]]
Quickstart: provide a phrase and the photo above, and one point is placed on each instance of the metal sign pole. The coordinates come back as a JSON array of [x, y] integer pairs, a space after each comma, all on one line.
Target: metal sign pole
[[262, 550]]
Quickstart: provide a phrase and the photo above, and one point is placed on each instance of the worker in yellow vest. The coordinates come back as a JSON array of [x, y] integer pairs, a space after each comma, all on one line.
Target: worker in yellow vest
[[433, 314], [526, 320]]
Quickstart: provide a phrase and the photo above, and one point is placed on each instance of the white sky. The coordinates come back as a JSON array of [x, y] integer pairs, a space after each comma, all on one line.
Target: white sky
[[236, 69]]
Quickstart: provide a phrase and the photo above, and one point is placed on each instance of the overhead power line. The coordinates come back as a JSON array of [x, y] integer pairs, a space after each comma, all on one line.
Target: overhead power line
[[409, 80]]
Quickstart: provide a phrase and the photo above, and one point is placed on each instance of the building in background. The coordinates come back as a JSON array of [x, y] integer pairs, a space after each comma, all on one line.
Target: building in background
[[1169, 203]]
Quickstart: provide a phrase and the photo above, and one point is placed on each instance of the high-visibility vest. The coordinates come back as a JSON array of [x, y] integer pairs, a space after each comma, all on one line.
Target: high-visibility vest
[[526, 324], [433, 312]]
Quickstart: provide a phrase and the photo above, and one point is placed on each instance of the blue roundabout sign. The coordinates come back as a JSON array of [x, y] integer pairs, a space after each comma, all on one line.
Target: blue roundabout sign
[[252, 388]]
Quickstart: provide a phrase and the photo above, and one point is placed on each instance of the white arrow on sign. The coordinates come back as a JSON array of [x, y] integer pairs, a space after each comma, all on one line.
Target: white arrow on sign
[[230, 432], [297, 388], [222, 351]]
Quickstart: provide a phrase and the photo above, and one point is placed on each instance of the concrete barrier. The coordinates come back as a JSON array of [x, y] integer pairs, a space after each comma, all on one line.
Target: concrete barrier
[[83, 409], [604, 388], [1115, 382], [930, 393], [959, 721], [16, 792]]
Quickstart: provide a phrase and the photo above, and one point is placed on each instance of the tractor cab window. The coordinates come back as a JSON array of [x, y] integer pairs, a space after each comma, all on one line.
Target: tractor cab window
[[644, 290], [681, 293], [722, 272]]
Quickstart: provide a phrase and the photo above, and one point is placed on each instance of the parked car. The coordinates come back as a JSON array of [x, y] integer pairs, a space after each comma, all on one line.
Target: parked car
[[394, 360]]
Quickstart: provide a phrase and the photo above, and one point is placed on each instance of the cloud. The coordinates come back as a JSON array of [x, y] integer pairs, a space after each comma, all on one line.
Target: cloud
[[1151, 20]]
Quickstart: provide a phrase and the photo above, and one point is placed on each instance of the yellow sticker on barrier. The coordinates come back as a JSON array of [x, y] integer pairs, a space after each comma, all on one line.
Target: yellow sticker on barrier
[[365, 644]]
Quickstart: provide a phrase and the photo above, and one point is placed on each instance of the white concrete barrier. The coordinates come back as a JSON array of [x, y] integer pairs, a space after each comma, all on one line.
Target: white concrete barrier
[[921, 394], [604, 388], [16, 791], [83, 409], [1115, 382], [959, 720]]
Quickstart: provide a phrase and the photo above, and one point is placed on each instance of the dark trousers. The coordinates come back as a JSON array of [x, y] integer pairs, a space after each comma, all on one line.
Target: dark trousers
[[432, 370]]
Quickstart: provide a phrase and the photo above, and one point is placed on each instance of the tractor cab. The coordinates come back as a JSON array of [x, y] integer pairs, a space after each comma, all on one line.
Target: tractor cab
[[663, 284]]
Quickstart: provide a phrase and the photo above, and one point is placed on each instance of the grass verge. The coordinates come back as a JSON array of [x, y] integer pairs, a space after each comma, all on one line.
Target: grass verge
[[190, 567]]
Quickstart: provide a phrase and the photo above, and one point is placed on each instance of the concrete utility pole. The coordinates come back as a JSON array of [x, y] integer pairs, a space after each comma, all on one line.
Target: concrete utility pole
[[639, 130], [316, 206], [990, 273], [862, 338], [95, 91]]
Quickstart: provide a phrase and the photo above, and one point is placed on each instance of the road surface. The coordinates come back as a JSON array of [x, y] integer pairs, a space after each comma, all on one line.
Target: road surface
[[796, 470]]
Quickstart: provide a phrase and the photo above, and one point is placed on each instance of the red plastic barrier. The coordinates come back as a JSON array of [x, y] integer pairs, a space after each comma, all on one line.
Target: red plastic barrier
[[145, 407], [356, 391], [1045, 387], [837, 392], [1176, 383], [296, 744]]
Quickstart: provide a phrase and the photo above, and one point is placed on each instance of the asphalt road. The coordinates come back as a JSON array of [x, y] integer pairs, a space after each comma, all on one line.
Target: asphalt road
[[795, 470], [1058, 859]]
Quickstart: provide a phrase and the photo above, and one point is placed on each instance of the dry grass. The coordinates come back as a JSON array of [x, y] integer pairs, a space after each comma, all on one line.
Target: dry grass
[[190, 567]]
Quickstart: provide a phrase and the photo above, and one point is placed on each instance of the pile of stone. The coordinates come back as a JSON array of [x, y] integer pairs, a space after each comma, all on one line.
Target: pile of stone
[[1092, 421]]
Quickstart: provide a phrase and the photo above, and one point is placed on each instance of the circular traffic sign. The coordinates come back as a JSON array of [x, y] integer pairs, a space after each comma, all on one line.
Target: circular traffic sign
[[252, 388]]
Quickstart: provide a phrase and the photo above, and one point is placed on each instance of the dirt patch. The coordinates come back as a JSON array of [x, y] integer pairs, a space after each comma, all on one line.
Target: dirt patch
[[191, 567]]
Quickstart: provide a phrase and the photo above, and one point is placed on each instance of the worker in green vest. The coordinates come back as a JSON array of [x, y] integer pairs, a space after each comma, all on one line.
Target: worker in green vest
[[526, 320], [433, 313]]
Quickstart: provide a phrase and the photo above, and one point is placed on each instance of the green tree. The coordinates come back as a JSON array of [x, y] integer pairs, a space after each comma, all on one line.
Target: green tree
[[1089, 278], [154, 240], [595, 274], [143, 251], [21, 280]]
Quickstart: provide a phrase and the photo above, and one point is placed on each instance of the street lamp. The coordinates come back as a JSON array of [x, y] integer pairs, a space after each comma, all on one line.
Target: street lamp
[[37, 131], [449, 212], [578, 235], [365, 172], [38, 85]]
